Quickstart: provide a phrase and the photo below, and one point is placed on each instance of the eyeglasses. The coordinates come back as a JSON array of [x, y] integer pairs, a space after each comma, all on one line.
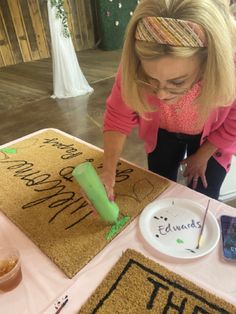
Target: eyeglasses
[[151, 87], [154, 90]]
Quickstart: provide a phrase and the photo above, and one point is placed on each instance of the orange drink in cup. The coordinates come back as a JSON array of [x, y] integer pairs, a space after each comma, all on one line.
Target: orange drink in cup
[[10, 268]]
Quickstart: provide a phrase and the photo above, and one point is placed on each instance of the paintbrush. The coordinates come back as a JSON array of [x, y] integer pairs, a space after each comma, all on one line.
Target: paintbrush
[[203, 223]]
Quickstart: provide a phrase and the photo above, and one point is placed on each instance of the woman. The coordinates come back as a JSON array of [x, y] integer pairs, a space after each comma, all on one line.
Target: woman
[[176, 82]]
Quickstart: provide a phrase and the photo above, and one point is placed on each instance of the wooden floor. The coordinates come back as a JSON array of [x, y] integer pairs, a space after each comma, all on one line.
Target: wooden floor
[[26, 106], [29, 82]]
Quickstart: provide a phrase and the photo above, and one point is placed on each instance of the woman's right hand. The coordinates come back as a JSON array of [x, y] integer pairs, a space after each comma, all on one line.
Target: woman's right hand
[[108, 179]]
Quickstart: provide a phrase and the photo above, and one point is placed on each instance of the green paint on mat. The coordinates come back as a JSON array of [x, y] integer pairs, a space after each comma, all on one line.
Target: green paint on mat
[[179, 241], [116, 227], [8, 150]]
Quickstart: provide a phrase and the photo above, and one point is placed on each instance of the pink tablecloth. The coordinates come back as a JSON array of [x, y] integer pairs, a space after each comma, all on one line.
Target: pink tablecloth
[[44, 285]]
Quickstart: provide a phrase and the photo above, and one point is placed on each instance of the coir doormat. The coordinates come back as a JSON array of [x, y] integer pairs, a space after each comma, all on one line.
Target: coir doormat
[[39, 194], [137, 285]]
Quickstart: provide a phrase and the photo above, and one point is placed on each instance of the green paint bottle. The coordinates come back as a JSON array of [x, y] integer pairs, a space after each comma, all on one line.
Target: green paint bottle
[[91, 184]]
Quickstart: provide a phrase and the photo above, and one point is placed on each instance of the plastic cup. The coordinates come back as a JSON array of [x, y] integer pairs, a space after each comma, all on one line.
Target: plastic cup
[[10, 268]]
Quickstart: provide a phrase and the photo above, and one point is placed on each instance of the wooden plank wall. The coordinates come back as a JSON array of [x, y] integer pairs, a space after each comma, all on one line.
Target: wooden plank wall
[[25, 34]]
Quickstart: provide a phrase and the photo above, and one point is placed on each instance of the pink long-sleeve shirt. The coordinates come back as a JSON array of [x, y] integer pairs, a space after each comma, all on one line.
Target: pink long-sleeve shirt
[[219, 128]]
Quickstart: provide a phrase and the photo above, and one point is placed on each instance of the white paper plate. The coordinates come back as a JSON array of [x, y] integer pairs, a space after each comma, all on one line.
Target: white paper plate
[[172, 227]]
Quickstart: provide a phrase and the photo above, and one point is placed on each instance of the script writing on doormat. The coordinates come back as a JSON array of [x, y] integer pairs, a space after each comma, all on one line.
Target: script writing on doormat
[[39, 194], [137, 284]]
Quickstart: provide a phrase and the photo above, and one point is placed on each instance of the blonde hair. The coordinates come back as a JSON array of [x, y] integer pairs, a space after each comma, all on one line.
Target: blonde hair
[[219, 83]]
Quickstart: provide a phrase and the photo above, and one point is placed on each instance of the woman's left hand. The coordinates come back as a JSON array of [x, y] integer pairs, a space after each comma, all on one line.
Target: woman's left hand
[[195, 169], [196, 164]]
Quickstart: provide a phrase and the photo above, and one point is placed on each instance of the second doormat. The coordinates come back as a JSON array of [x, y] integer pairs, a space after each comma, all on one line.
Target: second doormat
[[137, 285], [39, 194]]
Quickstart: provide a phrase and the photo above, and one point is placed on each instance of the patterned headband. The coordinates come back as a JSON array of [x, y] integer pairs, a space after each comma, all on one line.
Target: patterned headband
[[171, 32]]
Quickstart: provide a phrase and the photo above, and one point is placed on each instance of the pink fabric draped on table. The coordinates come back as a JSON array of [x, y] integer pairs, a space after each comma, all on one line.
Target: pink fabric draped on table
[[43, 284]]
